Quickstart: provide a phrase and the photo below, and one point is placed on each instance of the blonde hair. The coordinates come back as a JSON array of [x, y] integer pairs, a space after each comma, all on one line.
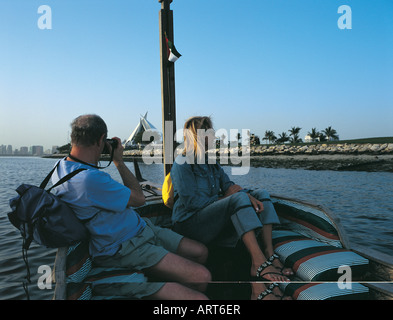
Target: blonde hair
[[193, 144]]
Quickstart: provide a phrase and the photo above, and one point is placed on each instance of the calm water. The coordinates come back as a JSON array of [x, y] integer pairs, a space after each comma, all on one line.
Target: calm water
[[363, 201]]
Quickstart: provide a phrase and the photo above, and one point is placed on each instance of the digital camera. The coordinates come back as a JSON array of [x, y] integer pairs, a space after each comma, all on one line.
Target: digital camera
[[113, 143]]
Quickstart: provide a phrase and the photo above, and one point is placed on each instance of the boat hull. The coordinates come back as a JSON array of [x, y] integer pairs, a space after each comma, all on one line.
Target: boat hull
[[304, 225]]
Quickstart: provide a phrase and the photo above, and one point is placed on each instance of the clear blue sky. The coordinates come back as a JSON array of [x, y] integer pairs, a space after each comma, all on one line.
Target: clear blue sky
[[258, 65]]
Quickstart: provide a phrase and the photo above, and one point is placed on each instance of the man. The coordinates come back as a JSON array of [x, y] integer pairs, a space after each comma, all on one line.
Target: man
[[119, 236]]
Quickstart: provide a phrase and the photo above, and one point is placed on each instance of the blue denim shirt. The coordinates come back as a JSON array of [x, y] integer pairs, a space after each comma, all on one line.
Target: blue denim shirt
[[197, 186]]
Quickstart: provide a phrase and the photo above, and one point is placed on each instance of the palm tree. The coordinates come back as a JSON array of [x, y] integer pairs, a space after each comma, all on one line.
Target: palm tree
[[314, 134], [330, 133], [283, 138], [295, 139], [269, 135], [294, 132], [254, 140], [220, 141], [322, 137]]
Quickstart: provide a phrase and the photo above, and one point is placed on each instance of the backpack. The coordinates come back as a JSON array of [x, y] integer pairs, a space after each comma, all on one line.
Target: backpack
[[45, 218], [168, 194]]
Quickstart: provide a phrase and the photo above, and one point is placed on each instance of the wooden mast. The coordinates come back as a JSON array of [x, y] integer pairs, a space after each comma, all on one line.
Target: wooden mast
[[167, 85]]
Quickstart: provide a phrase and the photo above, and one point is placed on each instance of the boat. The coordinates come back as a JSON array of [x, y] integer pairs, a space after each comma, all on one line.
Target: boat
[[310, 240]]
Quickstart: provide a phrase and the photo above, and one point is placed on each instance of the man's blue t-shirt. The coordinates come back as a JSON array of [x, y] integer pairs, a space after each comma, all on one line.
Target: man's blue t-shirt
[[96, 197]]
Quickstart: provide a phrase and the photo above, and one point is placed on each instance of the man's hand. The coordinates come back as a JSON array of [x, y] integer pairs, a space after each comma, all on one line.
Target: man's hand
[[118, 152], [137, 197]]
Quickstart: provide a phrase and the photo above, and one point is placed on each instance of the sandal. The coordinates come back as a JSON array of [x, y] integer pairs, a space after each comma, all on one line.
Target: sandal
[[275, 285], [268, 291], [264, 294], [275, 256], [263, 266], [272, 286]]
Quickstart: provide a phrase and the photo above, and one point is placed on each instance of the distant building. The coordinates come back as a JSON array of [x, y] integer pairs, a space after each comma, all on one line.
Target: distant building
[[6, 150], [136, 136], [307, 138], [24, 151], [37, 150]]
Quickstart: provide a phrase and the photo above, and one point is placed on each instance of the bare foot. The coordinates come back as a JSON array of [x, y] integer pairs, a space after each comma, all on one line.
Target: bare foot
[[277, 292], [260, 292], [267, 272], [275, 260]]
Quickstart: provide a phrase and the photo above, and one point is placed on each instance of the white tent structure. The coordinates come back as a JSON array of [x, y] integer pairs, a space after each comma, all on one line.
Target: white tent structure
[[136, 136]]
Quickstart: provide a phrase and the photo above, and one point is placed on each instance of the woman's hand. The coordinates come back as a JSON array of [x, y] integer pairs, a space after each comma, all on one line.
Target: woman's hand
[[256, 204], [232, 190]]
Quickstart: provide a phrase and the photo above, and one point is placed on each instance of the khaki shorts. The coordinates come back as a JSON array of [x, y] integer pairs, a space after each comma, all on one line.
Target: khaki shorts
[[140, 252], [148, 247], [130, 290]]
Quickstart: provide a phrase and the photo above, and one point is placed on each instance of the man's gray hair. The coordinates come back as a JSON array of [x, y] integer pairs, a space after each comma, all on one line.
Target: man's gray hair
[[86, 130]]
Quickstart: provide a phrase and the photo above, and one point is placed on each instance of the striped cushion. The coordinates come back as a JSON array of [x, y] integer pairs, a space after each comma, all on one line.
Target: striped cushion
[[313, 260], [114, 283], [312, 222], [78, 266], [324, 291], [79, 291], [83, 281], [78, 262]]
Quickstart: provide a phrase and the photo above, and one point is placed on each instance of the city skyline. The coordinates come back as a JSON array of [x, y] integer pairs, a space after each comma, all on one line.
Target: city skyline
[[36, 150], [258, 65]]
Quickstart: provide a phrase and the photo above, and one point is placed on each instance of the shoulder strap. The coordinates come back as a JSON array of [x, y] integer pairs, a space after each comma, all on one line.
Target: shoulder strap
[[66, 178], [62, 180], [46, 180]]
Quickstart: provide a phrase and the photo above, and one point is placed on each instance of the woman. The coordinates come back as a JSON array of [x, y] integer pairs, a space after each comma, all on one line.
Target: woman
[[212, 209]]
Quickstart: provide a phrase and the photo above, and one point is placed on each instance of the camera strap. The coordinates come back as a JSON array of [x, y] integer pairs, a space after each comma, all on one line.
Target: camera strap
[[92, 165]]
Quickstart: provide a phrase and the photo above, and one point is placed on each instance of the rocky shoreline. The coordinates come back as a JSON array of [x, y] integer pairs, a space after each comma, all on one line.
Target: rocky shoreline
[[313, 149], [337, 162], [337, 157]]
